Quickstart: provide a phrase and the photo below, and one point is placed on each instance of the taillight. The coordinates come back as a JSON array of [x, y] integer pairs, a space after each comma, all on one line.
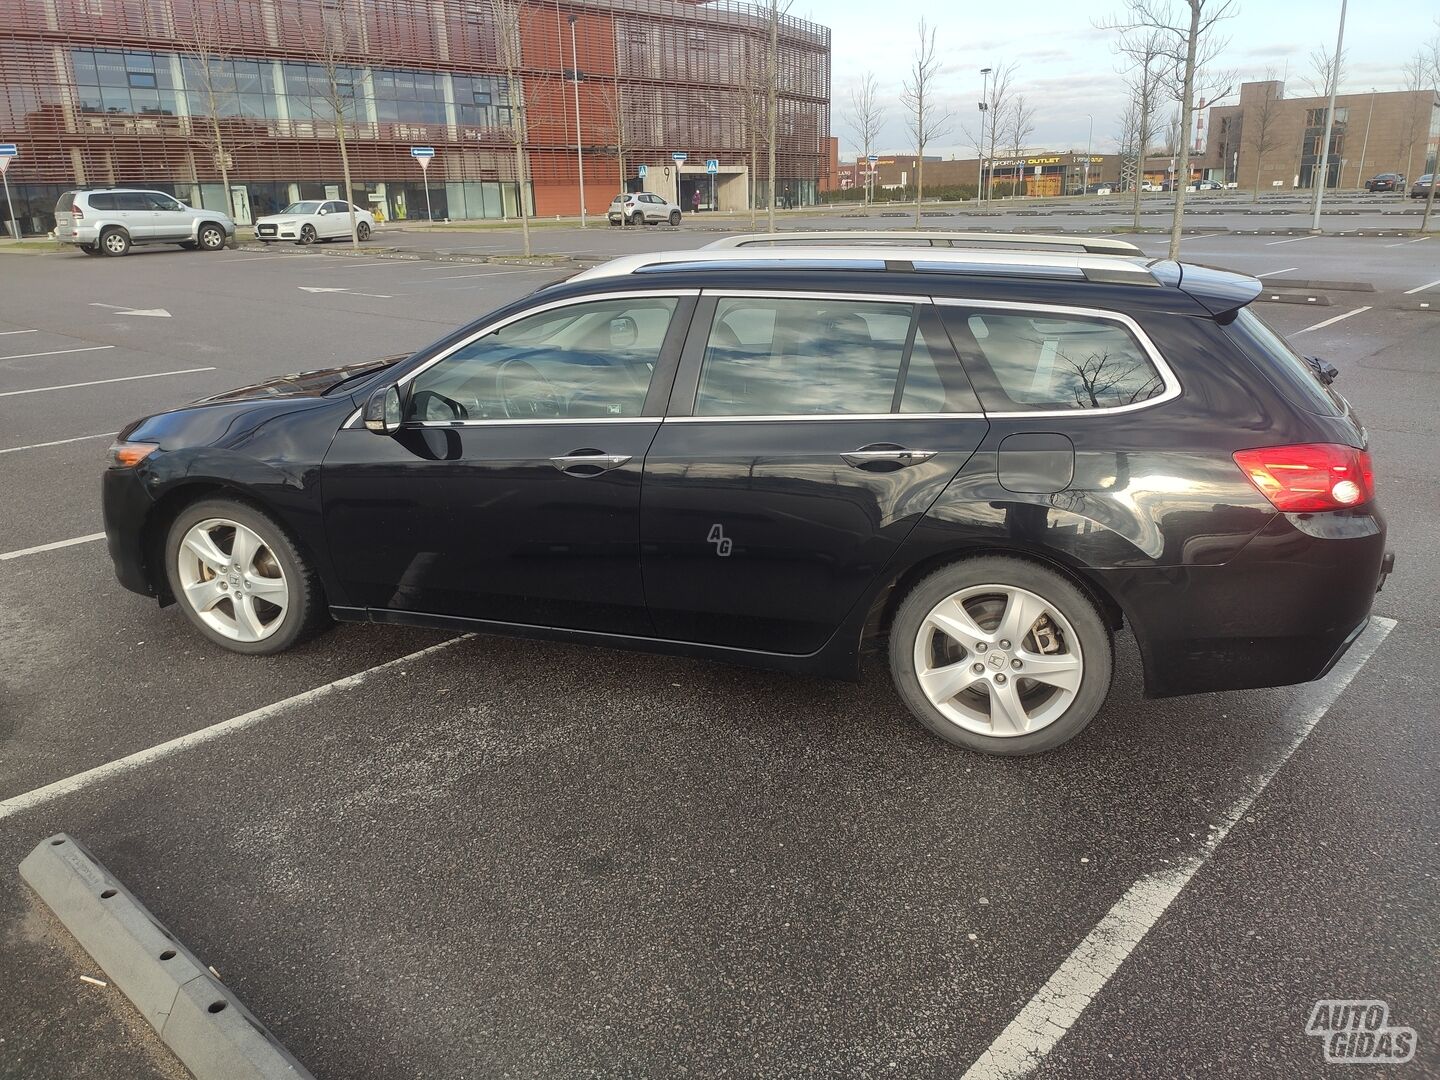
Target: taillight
[[75, 209], [1310, 477]]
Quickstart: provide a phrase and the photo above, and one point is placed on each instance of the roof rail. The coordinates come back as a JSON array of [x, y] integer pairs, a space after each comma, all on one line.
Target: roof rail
[[1090, 245], [1046, 264]]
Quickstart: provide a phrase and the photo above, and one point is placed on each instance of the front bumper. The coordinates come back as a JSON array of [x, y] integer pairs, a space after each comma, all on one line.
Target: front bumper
[[126, 505]]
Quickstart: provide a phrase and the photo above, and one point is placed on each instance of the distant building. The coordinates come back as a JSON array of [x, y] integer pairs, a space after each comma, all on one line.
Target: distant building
[[111, 92], [1038, 172], [1373, 133]]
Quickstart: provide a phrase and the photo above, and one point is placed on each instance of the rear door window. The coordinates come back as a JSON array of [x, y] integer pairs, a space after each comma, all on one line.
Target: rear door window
[[104, 201], [1024, 361]]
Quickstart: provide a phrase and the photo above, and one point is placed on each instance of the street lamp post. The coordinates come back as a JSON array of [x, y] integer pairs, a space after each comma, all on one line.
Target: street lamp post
[[984, 112], [579, 145], [1365, 145], [1089, 139], [1329, 124]]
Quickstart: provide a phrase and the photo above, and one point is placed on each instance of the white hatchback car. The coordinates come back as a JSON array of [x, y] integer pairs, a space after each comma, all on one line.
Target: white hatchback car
[[314, 219]]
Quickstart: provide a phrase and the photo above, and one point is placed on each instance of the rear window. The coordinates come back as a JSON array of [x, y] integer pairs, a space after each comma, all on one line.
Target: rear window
[[63, 204], [1287, 369]]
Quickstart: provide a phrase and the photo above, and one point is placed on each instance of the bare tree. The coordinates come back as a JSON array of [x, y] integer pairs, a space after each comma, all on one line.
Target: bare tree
[[209, 42], [329, 45], [997, 104], [1189, 47], [1019, 126], [927, 119], [612, 105], [1144, 51], [506, 16], [864, 120], [1260, 133], [1417, 116], [772, 103], [753, 100], [1323, 68], [1431, 54]]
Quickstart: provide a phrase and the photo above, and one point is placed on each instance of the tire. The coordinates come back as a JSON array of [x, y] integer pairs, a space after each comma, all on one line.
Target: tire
[[674, 217], [307, 234], [272, 627], [637, 218], [362, 231], [211, 237], [89, 249], [114, 241], [189, 245], [613, 223], [1073, 648]]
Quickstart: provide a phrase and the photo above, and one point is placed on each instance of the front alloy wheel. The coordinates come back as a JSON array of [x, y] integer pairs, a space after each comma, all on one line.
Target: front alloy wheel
[[307, 234], [1001, 655], [240, 578], [212, 237]]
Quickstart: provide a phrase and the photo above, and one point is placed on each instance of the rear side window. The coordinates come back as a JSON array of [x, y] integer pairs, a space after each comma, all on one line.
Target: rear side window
[[131, 200], [1286, 368], [1023, 361], [63, 204], [824, 357], [104, 201]]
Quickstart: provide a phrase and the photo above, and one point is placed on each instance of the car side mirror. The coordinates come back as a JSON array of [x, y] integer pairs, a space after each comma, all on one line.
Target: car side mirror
[[1324, 370], [382, 411], [323, 211]]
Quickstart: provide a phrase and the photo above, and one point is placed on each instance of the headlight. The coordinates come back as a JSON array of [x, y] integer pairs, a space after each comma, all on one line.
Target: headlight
[[126, 455]]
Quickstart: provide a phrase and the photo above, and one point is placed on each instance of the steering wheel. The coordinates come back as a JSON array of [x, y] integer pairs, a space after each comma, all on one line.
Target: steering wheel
[[420, 406], [525, 394]]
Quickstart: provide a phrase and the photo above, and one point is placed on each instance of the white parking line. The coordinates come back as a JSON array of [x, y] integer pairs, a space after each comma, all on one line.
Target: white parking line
[[56, 442], [354, 266], [1056, 1006], [1272, 273], [71, 784], [56, 352], [102, 382], [1293, 239], [7, 333], [1421, 288], [90, 539], [1331, 322], [1404, 242]]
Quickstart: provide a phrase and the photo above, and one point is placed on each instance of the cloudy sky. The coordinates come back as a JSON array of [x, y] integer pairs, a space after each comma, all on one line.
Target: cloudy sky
[[1068, 69]]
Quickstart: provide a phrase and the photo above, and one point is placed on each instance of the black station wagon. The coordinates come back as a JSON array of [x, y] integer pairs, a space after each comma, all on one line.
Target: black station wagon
[[988, 454]]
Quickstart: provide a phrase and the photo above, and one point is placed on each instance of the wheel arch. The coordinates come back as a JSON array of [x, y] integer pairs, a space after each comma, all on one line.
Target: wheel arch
[[902, 580]]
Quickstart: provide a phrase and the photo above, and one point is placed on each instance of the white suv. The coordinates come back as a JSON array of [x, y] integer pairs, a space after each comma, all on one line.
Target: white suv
[[642, 208], [107, 221]]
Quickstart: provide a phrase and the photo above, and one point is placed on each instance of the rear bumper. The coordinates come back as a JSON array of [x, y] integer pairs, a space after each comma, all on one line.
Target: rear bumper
[[126, 504], [1283, 611]]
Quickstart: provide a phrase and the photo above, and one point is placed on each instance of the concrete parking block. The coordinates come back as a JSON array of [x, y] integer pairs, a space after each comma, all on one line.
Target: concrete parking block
[[192, 1011]]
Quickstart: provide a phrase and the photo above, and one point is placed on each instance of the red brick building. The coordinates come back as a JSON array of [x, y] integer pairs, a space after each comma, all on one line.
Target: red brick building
[[101, 92]]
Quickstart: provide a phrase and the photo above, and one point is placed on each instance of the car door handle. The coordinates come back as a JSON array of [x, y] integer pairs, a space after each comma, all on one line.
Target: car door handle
[[588, 462], [899, 456]]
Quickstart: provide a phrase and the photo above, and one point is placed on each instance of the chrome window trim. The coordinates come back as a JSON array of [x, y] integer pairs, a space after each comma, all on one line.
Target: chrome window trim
[[792, 417], [1167, 374], [547, 420], [721, 292]]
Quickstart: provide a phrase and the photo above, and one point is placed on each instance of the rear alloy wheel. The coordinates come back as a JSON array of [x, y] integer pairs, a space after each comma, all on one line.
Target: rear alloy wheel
[[1000, 655], [240, 579], [674, 217], [362, 231], [114, 241], [637, 218], [212, 237], [307, 234]]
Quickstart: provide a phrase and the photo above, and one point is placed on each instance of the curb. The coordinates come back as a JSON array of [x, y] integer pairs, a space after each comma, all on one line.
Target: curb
[[192, 1011]]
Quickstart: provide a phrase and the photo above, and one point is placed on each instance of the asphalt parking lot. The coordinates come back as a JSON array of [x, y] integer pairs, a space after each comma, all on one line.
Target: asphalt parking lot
[[525, 859]]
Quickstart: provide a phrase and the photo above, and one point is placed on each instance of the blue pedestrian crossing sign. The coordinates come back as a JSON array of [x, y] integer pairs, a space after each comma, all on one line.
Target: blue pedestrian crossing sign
[[642, 171], [712, 165]]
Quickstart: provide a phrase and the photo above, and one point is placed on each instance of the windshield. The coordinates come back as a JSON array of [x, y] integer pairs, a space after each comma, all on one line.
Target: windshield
[[301, 208]]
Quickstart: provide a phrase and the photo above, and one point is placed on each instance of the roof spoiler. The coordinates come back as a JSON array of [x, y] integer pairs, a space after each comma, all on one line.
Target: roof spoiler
[[1220, 292]]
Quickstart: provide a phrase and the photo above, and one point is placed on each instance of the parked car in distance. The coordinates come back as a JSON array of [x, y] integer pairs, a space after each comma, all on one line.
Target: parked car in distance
[[1099, 189], [310, 220], [1421, 188], [1385, 182], [110, 221], [1206, 185], [1150, 185], [642, 208], [985, 460]]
